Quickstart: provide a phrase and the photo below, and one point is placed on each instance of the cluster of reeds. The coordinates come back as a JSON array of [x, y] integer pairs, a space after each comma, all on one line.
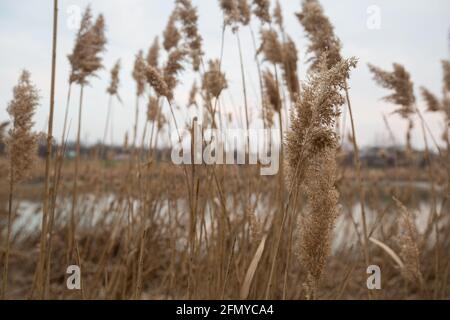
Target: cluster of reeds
[[143, 228]]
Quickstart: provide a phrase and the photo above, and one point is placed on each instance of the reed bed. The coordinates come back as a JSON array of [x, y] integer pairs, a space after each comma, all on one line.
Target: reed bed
[[141, 227]]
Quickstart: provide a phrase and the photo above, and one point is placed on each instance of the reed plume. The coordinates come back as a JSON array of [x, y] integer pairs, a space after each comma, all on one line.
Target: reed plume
[[325, 46], [314, 115], [153, 54], [89, 43], [320, 33], [214, 81], [21, 147], [156, 81], [112, 90], [317, 225], [245, 13], [290, 74], [278, 15], [173, 67], [114, 82], [271, 46], [400, 82], [311, 164], [432, 102], [262, 10], [139, 73], [272, 91], [230, 11], [79, 51], [153, 114], [152, 108], [409, 251], [188, 16], [193, 95], [21, 142], [268, 113], [171, 34]]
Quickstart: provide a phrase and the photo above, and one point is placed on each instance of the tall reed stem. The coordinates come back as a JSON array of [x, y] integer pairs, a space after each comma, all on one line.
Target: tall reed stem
[[8, 234], [47, 193], [359, 177], [75, 179], [136, 119], [108, 116]]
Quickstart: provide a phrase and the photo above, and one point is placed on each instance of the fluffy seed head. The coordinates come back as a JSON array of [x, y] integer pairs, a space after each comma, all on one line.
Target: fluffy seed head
[[272, 91], [316, 226], [79, 51], [153, 53], [173, 67], [188, 16], [278, 14], [320, 33], [171, 34], [114, 83], [313, 118], [230, 11], [290, 60], [156, 81], [400, 82], [409, 251], [214, 81], [152, 108], [311, 163], [262, 10], [267, 113], [431, 100], [271, 46], [22, 142], [90, 42], [244, 12], [139, 73], [193, 95]]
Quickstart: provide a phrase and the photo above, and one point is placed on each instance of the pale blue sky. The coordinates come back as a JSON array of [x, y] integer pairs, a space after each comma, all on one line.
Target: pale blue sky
[[414, 33]]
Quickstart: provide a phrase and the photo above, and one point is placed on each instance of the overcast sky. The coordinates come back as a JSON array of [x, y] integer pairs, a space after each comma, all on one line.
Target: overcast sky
[[414, 33]]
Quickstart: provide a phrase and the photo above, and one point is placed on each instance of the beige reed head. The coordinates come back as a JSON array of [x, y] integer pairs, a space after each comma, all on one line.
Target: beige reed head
[[85, 58], [399, 81], [114, 82], [153, 54], [188, 17], [261, 9], [320, 33], [21, 142]]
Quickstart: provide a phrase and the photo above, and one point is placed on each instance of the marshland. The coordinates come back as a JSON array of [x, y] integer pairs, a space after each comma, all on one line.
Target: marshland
[[88, 148]]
